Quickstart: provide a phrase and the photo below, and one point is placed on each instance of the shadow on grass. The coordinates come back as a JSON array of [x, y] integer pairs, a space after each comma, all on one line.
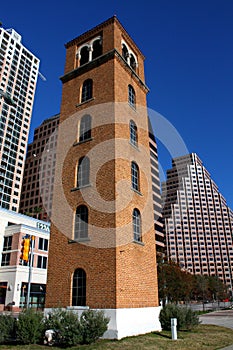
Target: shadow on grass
[[162, 335]]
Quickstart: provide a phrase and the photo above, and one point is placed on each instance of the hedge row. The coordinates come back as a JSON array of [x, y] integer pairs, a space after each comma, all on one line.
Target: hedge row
[[69, 329]]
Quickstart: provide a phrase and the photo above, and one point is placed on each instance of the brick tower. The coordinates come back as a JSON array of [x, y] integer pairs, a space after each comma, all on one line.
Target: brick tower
[[102, 249]]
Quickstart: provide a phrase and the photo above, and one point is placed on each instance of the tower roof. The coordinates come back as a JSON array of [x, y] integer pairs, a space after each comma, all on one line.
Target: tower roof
[[97, 28]]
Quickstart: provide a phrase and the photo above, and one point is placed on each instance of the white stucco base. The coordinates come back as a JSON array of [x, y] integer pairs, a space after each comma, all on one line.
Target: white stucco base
[[128, 322]]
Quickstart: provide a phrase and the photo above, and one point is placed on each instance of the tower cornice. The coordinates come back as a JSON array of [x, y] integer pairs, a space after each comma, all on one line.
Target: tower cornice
[[99, 61]]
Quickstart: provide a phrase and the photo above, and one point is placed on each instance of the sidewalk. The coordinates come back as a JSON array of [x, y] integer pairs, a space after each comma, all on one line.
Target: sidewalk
[[222, 318]]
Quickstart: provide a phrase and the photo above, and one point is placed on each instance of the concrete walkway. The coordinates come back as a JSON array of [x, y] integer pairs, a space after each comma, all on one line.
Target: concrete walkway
[[222, 318]]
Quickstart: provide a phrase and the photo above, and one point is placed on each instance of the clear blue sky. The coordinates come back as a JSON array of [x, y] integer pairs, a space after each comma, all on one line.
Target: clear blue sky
[[189, 64]]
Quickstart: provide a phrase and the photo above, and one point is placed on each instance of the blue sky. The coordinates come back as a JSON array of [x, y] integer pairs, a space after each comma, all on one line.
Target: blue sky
[[189, 65]]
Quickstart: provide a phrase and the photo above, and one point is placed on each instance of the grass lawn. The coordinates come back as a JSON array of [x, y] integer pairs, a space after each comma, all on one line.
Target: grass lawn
[[204, 337]]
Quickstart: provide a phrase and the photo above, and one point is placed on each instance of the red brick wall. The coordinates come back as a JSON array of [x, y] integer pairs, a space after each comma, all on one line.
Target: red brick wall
[[122, 276]]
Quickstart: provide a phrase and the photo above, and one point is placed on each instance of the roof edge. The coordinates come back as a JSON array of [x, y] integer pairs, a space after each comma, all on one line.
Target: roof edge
[[98, 28]]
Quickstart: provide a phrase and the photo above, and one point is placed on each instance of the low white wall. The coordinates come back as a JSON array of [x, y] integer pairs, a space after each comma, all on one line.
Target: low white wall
[[132, 321], [127, 322]]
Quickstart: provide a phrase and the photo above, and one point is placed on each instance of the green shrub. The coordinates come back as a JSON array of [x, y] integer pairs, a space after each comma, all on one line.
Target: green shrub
[[72, 331], [30, 327], [7, 328], [54, 318], [170, 311], [66, 324], [186, 318], [93, 325], [191, 319]]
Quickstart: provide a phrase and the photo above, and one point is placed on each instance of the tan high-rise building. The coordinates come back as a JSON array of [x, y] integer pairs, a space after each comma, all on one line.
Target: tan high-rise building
[[198, 222], [18, 77], [37, 189], [102, 248]]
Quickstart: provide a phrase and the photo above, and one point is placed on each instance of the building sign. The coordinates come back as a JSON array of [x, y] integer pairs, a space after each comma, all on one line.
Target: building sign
[[43, 227]]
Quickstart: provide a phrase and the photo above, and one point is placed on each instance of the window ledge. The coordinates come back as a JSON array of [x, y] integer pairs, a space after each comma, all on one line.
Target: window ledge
[[87, 239], [138, 242], [136, 191], [71, 241], [77, 308], [132, 106], [134, 146], [82, 103], [80, 187], [78, 240], [83, 141]]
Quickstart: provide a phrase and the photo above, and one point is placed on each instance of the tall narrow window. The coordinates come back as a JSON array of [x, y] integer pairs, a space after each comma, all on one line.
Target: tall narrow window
[[85, 128], [135, 176], [84, 55], [132, 62], [131, 96], [97, 48], [137, 231], [87, 90], [133, 133], [79, 288], [125, 52], [83, 177], [7, 243], [81, 223], [5, 259], [43, 244], [41, 262]]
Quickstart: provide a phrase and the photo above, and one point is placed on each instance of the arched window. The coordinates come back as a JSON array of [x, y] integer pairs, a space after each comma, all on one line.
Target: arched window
[[132, 62], [81, 223], [135, 176], [87, 90], [131, 96], [133, 133], [97, 48], [79, 288], [125, 52], [85, 128], [137, 230], [84, 55], [83, 177]]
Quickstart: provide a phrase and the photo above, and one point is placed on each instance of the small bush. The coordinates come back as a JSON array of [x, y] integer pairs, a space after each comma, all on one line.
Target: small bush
[[30, 327], [7, 328], [186, 318], [93, 325], [170, 311], [66, 324], [191, 319], [54, 318]]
